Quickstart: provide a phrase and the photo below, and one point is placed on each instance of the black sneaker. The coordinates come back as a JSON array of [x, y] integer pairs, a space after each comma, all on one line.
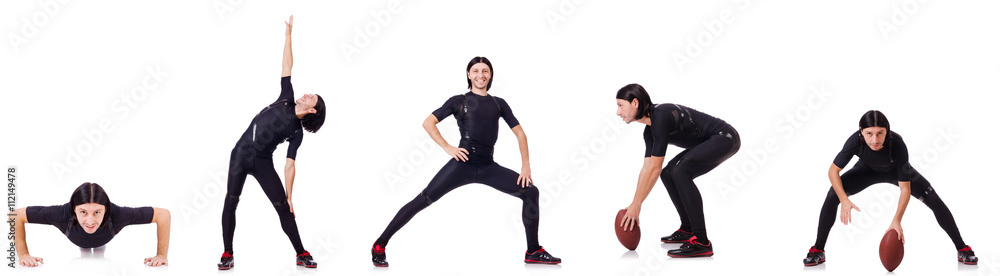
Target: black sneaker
[[305, 259], [378, 255], [692, 249], [678, 236], [227, 261], [814, 257], [540, 257], [687, 243], [967, 256]]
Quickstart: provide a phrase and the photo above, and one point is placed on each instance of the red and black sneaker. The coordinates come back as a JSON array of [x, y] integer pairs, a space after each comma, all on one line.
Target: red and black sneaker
[[378, 255], [967, 256], [814, 257], [692, 249], [305, 259], [679, 236], [227, 261], [540, 257]]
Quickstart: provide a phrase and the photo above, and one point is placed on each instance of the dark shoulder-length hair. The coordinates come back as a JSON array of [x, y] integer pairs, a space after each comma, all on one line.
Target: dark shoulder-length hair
[[874, 118], [635, 91], [479, 60], [90, 193], [313, 121]]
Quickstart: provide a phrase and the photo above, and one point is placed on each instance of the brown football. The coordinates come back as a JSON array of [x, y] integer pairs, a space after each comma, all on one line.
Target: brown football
[[629, 239], [890, 250]]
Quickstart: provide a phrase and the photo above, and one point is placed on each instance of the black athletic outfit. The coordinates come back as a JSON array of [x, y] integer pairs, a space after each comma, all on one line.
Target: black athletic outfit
[[275, 124], [708, 141], [63, 217], [888, 165], [478, 121]]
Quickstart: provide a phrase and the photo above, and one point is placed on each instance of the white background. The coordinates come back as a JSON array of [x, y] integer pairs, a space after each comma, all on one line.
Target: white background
[[792, 76]]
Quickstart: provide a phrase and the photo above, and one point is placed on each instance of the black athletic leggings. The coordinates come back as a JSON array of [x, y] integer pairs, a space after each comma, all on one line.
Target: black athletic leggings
[[860, 177], [456, 174], [241, 163], [679, 174]]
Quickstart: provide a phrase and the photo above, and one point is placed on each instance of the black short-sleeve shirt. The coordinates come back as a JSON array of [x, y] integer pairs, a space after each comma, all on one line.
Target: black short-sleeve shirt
[[275, 124], [480, 123], [893, 157], [678, 125], [62, 217]]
